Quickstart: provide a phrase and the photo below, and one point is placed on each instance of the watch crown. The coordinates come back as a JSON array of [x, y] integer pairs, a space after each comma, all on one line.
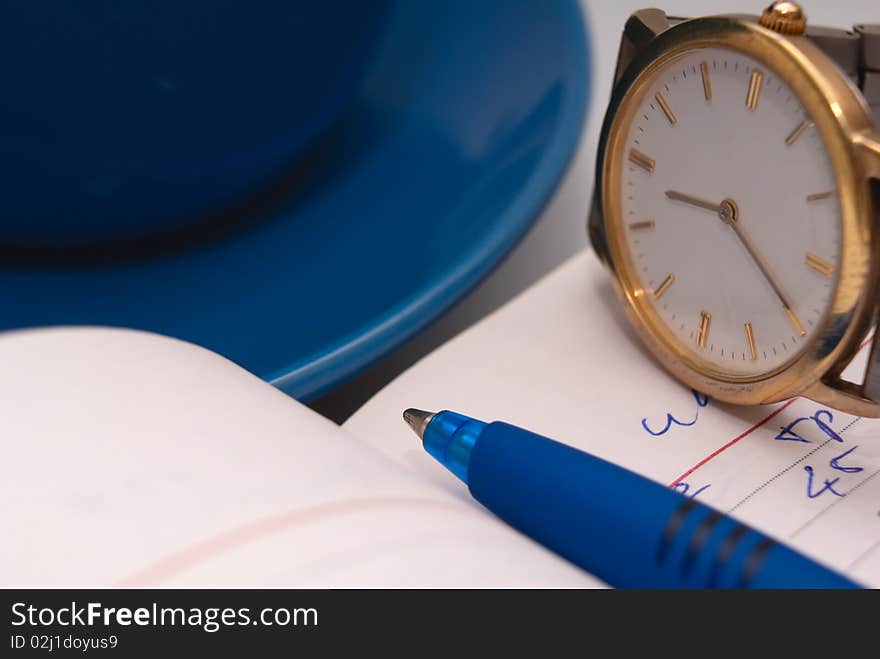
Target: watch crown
[[784, 17]]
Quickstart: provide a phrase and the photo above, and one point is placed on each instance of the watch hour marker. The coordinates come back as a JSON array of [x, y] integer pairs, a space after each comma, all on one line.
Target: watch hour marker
[[754, 89], [819, 196], [636, 157], [703, 329], [645, 224], [666, 283], [750, 339], [665, 107], [820, 265], [707, 85], [797, 132], [793, 319]]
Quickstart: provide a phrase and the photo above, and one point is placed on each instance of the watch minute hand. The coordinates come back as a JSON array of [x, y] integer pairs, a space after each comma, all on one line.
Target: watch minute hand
[[759, 261]]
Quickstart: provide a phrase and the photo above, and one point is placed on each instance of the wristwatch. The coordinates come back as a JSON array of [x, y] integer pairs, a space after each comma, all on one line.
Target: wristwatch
[[737, 202]]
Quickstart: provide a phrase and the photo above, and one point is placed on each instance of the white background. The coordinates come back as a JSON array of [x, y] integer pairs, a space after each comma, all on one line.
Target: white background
[[560, 232]]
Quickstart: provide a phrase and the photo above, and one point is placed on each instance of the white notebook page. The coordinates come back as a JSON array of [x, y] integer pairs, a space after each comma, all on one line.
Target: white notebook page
[[133, 459], [562, 360]]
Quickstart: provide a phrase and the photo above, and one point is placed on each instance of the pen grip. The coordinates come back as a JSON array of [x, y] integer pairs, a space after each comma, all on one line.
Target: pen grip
[[626, 529]]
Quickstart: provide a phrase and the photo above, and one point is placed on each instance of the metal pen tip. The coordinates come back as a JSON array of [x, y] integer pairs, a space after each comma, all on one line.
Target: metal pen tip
[[418, 420]]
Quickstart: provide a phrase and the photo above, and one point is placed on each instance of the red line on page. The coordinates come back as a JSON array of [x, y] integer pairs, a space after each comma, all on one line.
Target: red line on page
[[210, 548], [731, 443], [747, 432]]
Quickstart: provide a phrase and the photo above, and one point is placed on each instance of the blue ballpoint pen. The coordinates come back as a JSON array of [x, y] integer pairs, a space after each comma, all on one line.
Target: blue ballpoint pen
[[625, 529]]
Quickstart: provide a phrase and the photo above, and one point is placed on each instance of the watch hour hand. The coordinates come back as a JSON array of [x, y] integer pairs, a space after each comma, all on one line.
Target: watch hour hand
[[693, 201]]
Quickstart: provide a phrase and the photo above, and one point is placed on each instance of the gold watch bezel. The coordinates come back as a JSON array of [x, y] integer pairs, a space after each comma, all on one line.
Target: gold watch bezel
[[843, 121]]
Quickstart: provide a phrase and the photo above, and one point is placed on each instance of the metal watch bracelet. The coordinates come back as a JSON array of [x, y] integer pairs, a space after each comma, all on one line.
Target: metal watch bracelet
[[857, 53]]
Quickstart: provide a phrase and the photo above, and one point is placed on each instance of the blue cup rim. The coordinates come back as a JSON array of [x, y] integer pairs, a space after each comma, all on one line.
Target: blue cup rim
[[403, 321]]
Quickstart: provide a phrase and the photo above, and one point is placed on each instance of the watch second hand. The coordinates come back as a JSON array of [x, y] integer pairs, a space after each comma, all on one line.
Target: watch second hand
[[727, 212]]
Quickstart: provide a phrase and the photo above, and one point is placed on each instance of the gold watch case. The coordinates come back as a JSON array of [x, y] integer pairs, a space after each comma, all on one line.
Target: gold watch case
[[845, 125]]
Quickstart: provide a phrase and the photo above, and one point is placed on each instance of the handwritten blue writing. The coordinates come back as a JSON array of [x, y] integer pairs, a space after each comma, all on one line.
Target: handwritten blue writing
[[825, 427], [701, 399], [684, 488], [822, 419], [827, 487], [670, 421], [835, 462]]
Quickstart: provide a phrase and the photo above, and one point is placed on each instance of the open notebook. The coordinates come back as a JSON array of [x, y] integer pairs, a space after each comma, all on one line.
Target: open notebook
[[132, 459]]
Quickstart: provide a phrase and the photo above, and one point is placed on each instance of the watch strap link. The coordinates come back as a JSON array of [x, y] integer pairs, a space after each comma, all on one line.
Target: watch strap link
[[857, 53]]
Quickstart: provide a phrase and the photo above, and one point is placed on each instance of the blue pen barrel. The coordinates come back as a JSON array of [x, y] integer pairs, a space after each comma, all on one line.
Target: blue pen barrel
[[625, 529]]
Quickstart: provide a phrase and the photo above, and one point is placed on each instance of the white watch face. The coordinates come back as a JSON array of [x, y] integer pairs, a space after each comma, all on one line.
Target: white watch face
[[730, 212]]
